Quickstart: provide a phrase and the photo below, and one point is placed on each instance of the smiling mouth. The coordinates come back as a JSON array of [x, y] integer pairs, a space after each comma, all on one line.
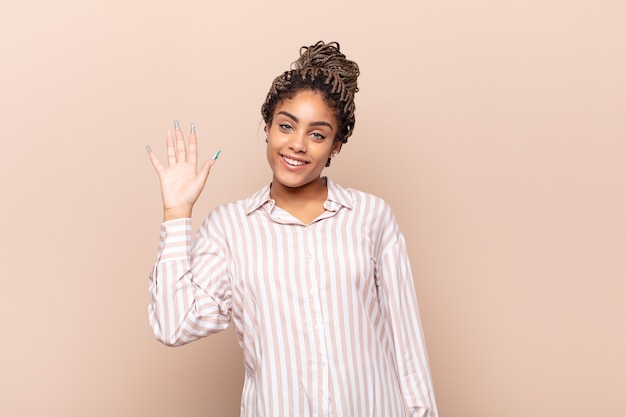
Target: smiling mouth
[[293, 162]]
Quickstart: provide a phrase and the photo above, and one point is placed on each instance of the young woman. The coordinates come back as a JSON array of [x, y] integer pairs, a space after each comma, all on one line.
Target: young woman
[[314, 277]]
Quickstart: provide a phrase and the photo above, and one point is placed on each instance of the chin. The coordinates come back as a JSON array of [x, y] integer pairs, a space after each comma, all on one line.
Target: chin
[[287, 182]]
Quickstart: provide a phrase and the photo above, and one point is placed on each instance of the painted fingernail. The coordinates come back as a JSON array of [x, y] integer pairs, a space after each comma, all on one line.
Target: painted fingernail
[[193, 128], [176, 125], [148, 148], [217, 155]]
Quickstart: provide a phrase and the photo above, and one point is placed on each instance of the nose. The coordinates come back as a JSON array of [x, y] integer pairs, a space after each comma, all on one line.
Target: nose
[[298, 142]]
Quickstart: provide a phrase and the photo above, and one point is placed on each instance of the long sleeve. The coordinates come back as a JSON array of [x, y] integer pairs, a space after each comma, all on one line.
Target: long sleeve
[[403, 322], [189, 287]]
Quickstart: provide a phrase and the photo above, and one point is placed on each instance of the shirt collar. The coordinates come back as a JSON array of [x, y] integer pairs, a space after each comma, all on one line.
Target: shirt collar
[[259, 199], [337, 197]]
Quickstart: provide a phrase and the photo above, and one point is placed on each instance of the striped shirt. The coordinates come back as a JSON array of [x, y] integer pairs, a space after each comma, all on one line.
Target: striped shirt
[[325, 312]]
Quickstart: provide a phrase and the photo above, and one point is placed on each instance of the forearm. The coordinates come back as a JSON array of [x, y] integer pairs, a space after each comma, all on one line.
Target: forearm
[[404, 324], [179, 310]]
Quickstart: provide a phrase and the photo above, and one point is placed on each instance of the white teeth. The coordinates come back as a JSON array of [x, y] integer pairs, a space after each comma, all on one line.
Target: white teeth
[[293, 161]]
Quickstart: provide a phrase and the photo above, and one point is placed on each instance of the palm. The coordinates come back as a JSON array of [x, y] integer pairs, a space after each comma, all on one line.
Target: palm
[[181, 182], [180, 185]]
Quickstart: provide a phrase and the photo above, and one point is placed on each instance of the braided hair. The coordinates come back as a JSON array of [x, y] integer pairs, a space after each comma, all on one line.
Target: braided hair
[[322, 68]]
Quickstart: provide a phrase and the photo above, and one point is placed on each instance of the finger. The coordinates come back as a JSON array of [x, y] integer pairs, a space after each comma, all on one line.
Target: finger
[[155, 161], [193, 146], [181, 152], [217, 154], [203, 174], [171, 150]]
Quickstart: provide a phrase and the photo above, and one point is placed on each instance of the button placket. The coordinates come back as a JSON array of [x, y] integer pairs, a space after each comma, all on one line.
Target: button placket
[[317, 301]]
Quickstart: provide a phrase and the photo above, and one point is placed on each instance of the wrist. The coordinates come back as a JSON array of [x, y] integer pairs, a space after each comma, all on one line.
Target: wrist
[[176, 213]]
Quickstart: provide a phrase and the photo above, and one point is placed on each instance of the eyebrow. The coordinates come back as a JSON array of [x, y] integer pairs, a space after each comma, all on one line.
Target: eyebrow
[[295, 119]]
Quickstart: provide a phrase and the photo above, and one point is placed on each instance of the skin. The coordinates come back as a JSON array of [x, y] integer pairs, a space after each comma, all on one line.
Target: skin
[[300, 141], [181, 182]]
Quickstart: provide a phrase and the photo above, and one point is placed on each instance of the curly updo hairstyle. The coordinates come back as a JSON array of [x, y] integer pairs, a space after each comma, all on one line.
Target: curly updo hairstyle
[[322, 68]]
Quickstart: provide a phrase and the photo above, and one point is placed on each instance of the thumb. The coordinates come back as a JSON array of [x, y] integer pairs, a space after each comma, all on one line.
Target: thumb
[[203, 174]]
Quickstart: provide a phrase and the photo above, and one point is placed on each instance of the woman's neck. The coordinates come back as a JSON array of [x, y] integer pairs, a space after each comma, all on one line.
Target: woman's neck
[[305, 203]]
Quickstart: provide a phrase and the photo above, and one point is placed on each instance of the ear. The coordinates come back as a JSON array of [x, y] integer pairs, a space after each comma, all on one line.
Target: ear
[[266, 129], [335, 149]]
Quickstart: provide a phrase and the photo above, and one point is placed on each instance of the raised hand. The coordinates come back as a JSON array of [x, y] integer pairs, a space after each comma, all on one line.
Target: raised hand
[[181, 182]]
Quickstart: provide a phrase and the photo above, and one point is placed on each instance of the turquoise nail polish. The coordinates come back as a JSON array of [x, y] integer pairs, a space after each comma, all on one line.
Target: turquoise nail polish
[[193, 128], [148, 148], [217, 154], [176, 125]]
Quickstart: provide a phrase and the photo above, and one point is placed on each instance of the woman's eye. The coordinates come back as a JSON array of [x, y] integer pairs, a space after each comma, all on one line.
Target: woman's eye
[[318, 136], [285, 126]]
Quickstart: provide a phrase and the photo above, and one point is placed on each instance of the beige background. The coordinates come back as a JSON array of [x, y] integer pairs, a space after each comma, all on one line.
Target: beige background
[[495, 129]]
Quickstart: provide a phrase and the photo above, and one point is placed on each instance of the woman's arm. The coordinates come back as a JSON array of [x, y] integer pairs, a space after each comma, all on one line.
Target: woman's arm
[[184, 302], [402, 319], [190, 292]]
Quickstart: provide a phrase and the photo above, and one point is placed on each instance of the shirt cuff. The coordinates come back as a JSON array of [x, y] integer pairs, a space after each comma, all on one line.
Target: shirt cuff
[[175, 240]]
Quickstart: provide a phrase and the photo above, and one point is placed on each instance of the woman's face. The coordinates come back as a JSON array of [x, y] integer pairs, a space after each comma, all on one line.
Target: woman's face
[[300, 140]]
